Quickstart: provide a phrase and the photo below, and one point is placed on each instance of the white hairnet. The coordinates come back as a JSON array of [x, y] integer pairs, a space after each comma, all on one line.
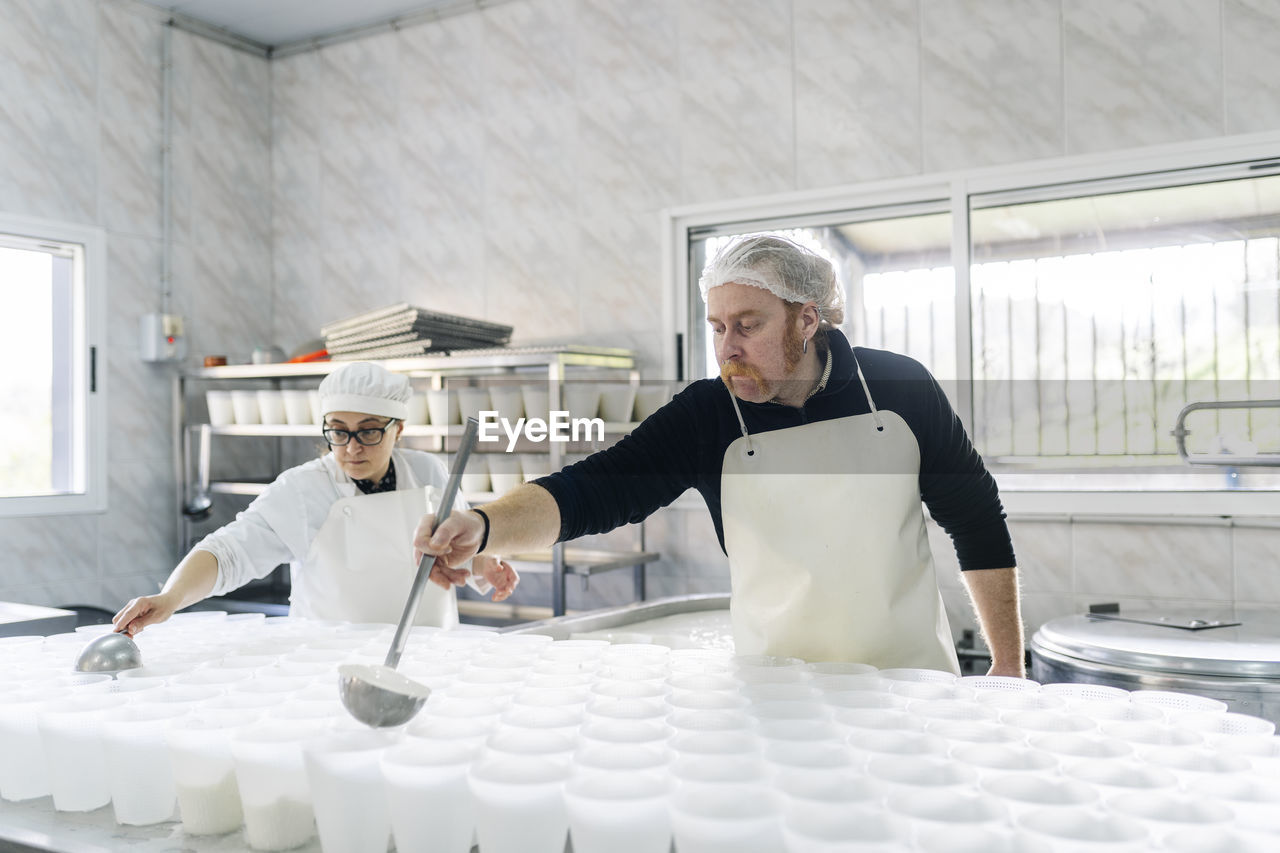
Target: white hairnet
[[785, 269], [366, 389]]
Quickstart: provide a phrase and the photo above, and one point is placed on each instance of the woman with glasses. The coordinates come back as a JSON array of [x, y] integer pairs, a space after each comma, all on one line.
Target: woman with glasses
[[344, 522]]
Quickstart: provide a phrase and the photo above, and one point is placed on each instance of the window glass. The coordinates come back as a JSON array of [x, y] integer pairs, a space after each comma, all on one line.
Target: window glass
[[898, 279], [50, 459], [1097, 318]]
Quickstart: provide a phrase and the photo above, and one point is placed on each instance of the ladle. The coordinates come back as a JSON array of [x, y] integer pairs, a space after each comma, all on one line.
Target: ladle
[[379, 696], [200, 506], [109, 653]]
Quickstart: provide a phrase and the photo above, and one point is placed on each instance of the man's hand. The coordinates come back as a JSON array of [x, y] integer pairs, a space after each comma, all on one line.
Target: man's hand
[[453, 543], [499, 574], [143, 611]]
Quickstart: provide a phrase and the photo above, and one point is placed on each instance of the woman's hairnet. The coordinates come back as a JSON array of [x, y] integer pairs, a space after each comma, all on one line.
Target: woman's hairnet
[[785, 269]]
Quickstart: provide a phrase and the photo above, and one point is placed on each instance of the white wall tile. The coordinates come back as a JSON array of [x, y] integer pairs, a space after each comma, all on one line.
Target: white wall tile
[[1043, 551], [58, 555], [529, 55], [1141, 72], [857, 81], [131, 85], [1189, 562], [443, 68], [530, 279], [991, 82], [734, 38], [1256, 553], [625, 47], [1250, 65], [619, 265], [736, 136], [629, 144], [530, 166]]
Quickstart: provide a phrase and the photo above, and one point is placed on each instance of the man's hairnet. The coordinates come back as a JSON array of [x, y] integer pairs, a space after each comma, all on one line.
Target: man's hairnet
[[785, 269]]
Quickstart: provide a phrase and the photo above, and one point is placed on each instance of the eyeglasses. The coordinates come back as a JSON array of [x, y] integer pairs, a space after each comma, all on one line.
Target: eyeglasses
[[369, 436]]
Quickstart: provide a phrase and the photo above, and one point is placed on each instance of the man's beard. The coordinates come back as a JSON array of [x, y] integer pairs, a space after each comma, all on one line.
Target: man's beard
[[792, 352]]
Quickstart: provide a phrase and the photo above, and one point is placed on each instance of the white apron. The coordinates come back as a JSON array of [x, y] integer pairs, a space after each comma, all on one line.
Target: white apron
[[828, 555], [360, 565]]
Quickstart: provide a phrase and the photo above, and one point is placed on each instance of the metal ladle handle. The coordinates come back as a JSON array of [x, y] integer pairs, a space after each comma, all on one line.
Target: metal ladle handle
[[424, 565]]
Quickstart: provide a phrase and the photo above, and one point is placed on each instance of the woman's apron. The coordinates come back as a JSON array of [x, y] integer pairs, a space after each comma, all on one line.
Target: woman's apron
[[360, 566], [828, 554]]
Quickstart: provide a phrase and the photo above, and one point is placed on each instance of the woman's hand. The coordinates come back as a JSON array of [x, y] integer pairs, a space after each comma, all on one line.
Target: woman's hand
[[499, 574], [143, 611]]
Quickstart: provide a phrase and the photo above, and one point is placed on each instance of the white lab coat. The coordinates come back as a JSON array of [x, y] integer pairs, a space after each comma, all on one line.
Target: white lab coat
[[281, 523]]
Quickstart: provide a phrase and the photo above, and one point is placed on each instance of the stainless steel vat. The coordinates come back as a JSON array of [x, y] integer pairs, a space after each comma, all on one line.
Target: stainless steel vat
[[1238, 664]]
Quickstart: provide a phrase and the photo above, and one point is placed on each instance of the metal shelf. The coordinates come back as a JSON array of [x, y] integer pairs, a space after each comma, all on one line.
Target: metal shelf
[[410, 430], [465, 361], [550, 364]]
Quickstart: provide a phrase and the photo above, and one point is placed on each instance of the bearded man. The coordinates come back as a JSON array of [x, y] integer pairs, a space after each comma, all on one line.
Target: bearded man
[[813, 458]]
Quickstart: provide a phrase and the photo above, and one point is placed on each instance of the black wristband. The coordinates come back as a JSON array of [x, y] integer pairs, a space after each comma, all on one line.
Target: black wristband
[[484, 540]]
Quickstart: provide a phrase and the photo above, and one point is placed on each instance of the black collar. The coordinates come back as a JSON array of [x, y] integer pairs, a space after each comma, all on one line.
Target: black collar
[[386, 484]]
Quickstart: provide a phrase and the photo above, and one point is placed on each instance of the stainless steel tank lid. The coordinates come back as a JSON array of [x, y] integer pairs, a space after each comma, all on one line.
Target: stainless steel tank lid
[[1248, 650]]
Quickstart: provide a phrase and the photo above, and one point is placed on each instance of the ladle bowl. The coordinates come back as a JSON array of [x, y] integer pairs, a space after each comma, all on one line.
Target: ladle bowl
[[110, 653], [379, 696]]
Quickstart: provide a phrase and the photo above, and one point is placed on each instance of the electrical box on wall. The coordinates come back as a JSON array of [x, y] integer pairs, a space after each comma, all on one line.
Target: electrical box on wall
[[163, 338]]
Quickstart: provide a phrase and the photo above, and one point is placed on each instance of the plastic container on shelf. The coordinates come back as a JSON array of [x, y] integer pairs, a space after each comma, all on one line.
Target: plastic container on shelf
[[419, 412], [297, 407], [505, 472], [617, 401], [476, 477], [271, 407], [507, 401], [245, 405], [537, 401], [472, 401], [221, 411], [581, 399]]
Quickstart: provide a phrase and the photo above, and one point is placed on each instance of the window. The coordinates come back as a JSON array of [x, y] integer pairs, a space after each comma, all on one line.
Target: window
[[53, 456], [1071, 309]]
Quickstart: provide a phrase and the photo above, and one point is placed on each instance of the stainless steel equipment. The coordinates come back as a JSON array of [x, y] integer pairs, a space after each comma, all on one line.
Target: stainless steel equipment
[[1169, 650], [561, 627]]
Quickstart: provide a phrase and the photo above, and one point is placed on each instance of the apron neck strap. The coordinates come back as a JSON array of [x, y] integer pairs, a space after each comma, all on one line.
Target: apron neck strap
[[867, 391], [742, 425]]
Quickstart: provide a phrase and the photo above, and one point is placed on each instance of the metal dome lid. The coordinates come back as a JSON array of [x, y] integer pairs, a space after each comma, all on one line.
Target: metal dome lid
[[1203, 641]]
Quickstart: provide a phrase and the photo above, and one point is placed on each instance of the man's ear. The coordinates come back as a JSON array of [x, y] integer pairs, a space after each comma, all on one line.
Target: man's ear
[[809, 319]]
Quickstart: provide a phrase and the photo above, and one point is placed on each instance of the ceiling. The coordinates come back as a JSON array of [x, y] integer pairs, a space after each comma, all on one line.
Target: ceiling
[[277, 23]]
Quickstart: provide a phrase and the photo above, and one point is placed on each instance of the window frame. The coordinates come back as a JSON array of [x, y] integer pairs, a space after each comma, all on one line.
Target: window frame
[[88, 352], [1130, 169]]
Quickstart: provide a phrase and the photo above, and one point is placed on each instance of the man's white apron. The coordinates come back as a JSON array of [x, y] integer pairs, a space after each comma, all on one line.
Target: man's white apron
[[360, 565], [828, 554]]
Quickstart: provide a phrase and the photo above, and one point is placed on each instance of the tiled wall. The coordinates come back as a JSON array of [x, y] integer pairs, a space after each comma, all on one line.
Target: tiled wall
[[511, 164], [80, 141]]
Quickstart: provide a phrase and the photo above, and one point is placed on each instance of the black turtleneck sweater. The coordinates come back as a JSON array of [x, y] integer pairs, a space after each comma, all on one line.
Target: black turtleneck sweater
[[682, 445]]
